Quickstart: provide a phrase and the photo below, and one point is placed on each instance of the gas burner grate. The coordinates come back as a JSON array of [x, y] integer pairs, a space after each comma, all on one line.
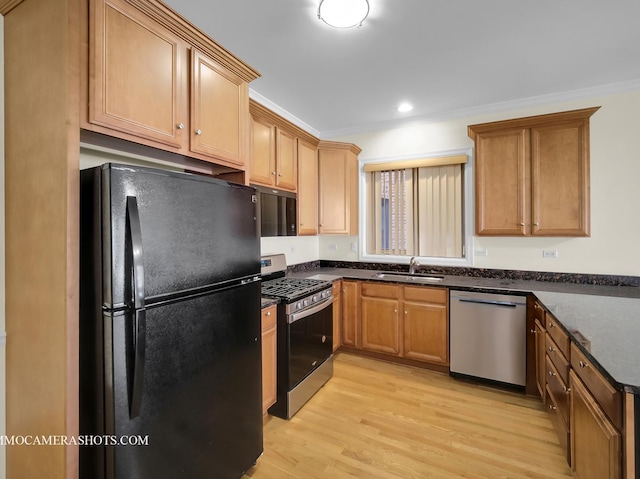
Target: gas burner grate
[[288, 288]]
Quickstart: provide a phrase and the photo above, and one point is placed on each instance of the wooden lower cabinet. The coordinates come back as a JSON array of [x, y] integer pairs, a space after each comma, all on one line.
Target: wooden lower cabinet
[[350, 299], [380, 318], [269, 343], [337, 314], [596, 445], [426, 325]]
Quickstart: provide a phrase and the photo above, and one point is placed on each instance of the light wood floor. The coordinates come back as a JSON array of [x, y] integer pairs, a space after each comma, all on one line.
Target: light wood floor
[[379, 420]]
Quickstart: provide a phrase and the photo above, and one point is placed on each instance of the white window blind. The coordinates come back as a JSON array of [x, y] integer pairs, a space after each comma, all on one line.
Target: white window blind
[[416, 211]]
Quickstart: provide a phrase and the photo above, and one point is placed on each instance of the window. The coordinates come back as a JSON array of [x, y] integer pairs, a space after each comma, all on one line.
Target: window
[[416, 207]]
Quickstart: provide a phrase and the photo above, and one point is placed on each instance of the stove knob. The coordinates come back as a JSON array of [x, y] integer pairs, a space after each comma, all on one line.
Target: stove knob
[[298, 305], [315, 298], [305, 303]]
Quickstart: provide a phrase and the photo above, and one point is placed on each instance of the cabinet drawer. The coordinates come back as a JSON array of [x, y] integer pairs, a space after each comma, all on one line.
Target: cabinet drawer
[[559, 425], [539, 314], [377, 290], [559, 336], [268, 318], [425, 294], [609, 399], [557, 358], [559, 390]]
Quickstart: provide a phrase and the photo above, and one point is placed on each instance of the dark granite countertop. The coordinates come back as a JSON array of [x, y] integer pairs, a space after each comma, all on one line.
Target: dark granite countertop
[[607, 316]]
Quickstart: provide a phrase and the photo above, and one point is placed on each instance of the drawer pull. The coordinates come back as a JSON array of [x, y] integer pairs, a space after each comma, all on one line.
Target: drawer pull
[[583, 364], [566, 389], [533, 331], [551, 325], [551, 349], [551, 373], [552, 407], [268, 313]]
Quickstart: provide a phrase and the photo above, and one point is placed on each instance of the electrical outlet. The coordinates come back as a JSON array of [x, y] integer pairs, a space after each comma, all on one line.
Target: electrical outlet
[[549, 254], [333, 247], [354, 247], [481, 252]]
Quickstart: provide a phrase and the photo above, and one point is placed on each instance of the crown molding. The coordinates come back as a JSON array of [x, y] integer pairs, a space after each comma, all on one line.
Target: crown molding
[[7, 5], [585, 93], [336, 145], [292, 119]]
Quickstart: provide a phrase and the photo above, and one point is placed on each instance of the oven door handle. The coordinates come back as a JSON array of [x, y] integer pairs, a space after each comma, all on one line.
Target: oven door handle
[[292, 318]]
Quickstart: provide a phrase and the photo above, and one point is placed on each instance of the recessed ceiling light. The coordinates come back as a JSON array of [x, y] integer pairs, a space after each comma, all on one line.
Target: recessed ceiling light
[[343, 13], [405, 107]]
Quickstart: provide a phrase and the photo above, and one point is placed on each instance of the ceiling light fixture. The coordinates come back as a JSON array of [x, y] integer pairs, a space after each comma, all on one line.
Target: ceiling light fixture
[[343, 13], [405, 107]]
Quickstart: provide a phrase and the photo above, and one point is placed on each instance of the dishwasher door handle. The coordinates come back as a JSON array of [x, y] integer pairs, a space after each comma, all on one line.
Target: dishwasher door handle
[[506, 304]]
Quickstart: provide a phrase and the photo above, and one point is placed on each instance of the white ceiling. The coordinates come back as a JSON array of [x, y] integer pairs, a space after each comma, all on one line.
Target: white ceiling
[[447, 57]]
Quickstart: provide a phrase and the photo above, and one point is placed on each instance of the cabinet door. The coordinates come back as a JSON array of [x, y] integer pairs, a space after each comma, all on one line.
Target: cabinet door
[[263, 153], [286, 160], [333, 181], [380, 325], [595, 443], [541, 378], [137, 77], [502, 183], [307, 188], [425, 332], [351, 313], [219, 111], [268, 358], [560, 179]]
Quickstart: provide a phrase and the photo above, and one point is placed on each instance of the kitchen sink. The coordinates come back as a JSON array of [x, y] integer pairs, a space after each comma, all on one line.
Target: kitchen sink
[[412, 278]]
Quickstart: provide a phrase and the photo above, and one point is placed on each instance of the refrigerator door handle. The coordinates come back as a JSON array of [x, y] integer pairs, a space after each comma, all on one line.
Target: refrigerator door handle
[[135, 401], [140, 326], [136, 248]]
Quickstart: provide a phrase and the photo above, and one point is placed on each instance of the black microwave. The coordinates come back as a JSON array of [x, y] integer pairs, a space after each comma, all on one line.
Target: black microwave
[[277, 212]]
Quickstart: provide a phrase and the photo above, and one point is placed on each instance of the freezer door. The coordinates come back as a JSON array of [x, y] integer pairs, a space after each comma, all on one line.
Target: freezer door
[[200, 404], [195, 232]]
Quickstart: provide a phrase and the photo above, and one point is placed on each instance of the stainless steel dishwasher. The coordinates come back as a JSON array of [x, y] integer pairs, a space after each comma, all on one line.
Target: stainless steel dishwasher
[[488, 336]]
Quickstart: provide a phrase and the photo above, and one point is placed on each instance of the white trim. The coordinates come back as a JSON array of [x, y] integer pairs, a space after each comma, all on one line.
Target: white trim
[[467, 261], [602, 90], [3, 338], [282, 112]]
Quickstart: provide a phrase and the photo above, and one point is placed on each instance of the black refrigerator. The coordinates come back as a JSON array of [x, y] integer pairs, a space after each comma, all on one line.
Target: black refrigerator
[[170, 354]]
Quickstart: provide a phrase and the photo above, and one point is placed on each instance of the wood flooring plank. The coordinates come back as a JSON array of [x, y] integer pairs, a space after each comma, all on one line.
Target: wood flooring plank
[[375, 419]]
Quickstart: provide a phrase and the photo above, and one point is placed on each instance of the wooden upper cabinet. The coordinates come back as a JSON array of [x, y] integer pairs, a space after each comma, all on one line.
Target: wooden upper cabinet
[[219, 111], [338, 188], [307, 188], [263, 152], [154, 79], [137, 75], [532, 175], [286, 160], [502, 183]]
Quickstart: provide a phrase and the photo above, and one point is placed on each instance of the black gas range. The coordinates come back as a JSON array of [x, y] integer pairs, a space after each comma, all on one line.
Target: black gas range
[[304, 334]]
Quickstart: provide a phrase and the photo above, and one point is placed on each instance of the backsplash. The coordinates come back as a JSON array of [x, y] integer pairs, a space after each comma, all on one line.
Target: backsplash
[[576, 278]]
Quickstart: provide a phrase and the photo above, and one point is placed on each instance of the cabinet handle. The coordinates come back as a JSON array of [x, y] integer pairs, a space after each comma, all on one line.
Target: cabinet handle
[[551, 373], [583, 364], [533, 331], [280, 174], [273, 173], [180, 126], [406, 312], [268, 313], [536, 224], [535, 306], [198, 132], [320, 225], [552, 407], [521, 224], [550, 325], [566, 389], [551, 349]]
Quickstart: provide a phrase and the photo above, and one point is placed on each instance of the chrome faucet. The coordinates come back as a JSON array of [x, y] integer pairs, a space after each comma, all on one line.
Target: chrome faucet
[[413, 265]]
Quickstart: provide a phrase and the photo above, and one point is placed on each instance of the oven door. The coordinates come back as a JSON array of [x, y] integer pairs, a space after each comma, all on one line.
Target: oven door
[[310, 340]]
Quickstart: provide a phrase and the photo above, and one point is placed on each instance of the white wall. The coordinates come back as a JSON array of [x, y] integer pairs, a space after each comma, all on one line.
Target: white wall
[[615, 187], [3, 460]]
